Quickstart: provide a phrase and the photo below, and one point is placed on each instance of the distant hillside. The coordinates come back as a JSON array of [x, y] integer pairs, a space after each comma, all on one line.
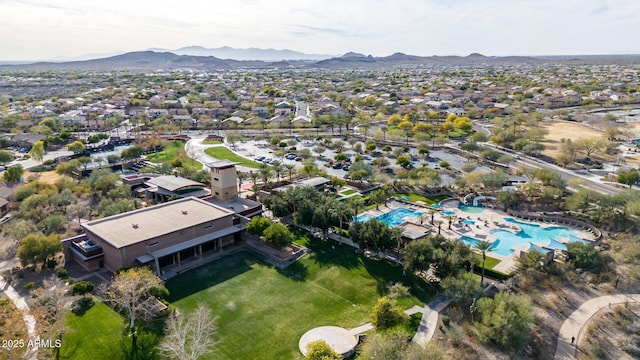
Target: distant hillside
[[153, 60], [139, 61], [227, 52], [397, 59]]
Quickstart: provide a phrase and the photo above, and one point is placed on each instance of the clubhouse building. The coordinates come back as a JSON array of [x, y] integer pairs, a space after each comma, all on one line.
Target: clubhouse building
[[168, 236]]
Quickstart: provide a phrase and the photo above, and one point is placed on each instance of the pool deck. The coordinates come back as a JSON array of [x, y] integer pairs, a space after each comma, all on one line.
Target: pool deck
[[485, 221]]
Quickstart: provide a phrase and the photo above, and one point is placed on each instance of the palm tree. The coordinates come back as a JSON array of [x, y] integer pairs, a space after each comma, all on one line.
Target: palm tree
[[278, 169], [484, 246], [450, 218], [241, 177], [378, 196], [356, 203], [254, 177], [265, 174], [396, 233], [291, 169], [432, 213], [341, 210], [439, 223]]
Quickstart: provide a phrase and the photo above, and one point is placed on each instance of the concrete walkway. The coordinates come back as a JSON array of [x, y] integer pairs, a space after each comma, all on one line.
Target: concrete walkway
[[573, 325], [429, 320]]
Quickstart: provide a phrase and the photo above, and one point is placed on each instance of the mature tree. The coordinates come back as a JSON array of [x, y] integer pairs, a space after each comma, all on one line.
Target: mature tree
[[320, 350], [232, 137], [77, 147], [494, 180], [388, 345], [463, 286], [591, 145], [360, 170], [13, 173], [445, 257], [585, 256], [132, 152], [257, 225], [189, 337], [386, 314], [505, 320], [403, 160], [36, 248], [82, 288], [484, 246], [131, 292], [67, 167], [5, 156], [628, 177], [37, 151], [278, 235], [51, 308]]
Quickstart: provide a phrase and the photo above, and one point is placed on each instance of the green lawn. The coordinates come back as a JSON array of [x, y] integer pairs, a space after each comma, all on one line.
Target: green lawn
[[489, 263], [413, 197], [263, 311], [348, 192], [94, 334], [222, 153], [174, 150], [212, 142]]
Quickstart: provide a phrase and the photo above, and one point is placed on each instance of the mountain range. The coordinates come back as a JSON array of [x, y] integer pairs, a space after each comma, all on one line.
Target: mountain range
[[196, 59], [227, 52]]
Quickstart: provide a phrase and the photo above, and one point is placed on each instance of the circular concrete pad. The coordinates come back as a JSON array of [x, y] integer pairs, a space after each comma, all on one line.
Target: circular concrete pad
[[340, 340]]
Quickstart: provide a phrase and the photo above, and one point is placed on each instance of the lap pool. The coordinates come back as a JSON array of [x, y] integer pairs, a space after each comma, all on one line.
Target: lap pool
[[394, 217], [529, 233]]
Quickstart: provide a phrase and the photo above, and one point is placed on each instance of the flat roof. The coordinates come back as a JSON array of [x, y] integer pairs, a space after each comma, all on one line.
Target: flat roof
[[132, 227], [222, 164], [173, 183]]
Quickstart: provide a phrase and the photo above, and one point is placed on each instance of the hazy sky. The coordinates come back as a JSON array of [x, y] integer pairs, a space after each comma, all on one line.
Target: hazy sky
[[46, 29]]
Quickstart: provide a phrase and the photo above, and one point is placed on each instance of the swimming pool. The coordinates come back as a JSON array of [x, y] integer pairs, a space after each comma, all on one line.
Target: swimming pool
[[392, 218], [534, 233], [471, 209]]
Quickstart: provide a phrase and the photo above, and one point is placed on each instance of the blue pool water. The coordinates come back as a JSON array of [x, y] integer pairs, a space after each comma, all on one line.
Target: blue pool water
[[506, 240], [392, 218], [471, 209]]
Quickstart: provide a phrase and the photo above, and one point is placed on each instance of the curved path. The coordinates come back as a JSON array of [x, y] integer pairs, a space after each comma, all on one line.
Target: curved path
[[572, 326], [21, 304]]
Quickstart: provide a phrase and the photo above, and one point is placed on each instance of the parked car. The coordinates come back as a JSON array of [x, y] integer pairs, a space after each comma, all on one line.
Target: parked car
[[259, 158], [298, 158], [345, 168], [337, 165]]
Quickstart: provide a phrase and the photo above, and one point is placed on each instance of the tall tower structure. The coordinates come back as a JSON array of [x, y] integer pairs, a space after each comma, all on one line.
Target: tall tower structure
[[224, 180]]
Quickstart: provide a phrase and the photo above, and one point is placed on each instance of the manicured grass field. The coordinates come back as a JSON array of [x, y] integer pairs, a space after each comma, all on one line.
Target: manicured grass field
[[174, 150], [413, 197], [348, 192], [489, 263], [222, 153], [96, 334], [212, 142], [262, 311]]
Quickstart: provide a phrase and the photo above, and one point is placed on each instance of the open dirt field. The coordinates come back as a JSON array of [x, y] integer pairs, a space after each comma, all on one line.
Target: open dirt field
[[559, 129], [49, 177]]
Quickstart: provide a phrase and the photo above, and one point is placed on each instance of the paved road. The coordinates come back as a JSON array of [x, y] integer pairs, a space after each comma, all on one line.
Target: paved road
[[577, 320]]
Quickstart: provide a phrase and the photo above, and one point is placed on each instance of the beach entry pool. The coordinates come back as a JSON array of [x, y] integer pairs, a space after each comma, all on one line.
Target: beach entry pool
[[471, 209], [529, 233], [394, 217]]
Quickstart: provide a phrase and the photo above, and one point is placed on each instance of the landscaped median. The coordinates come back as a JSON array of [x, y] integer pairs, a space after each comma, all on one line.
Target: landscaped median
[[222, 153]]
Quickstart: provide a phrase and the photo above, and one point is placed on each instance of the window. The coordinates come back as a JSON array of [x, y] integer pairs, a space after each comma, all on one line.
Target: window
[[215, 179], [152, 244]]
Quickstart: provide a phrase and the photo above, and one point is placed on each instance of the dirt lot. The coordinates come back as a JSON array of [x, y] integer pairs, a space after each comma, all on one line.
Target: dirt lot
[[559, 129], [49, 177]]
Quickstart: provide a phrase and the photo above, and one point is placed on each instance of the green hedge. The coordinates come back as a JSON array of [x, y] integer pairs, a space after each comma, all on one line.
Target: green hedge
[[492, 273]]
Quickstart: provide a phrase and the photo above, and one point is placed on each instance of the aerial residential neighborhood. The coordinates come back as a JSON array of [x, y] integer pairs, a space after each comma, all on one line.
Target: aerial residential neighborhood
[[254, 203]]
